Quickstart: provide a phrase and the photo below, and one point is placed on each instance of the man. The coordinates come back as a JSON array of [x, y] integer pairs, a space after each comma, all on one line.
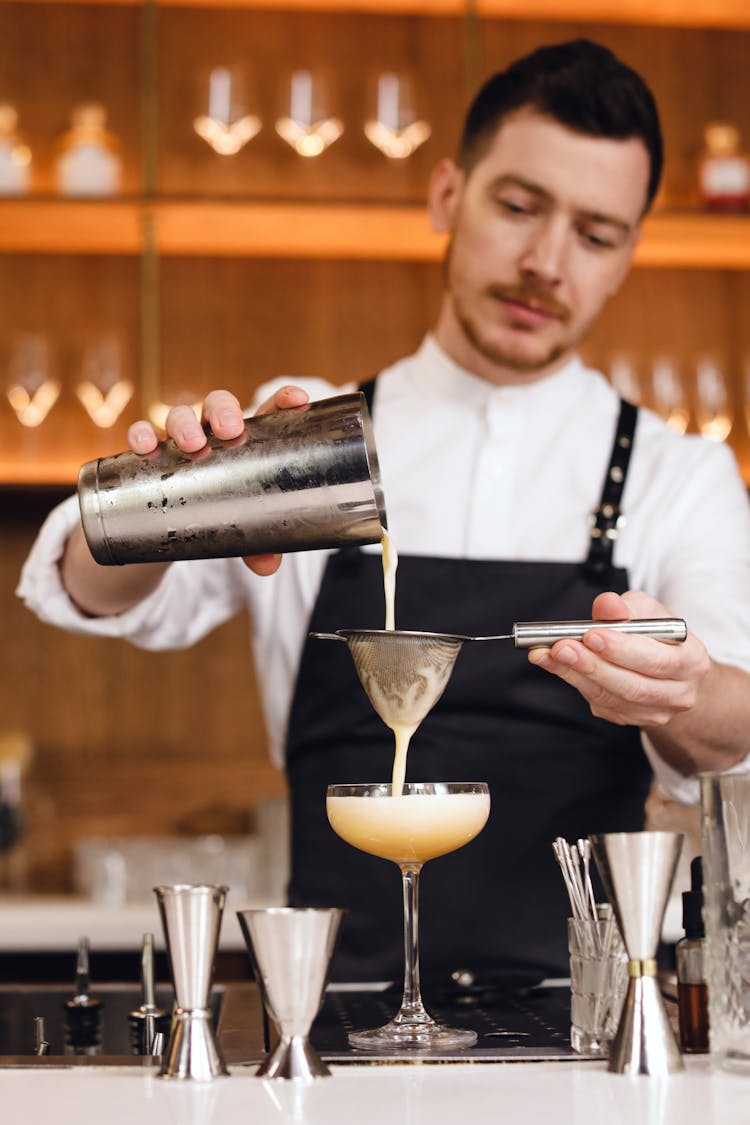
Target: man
[[512, 495]]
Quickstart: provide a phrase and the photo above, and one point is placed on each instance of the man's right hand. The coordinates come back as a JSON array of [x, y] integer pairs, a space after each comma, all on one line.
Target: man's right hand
[[223, 413]]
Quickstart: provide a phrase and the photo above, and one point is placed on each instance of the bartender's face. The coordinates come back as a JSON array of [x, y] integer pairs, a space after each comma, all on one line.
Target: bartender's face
[[543, 230]]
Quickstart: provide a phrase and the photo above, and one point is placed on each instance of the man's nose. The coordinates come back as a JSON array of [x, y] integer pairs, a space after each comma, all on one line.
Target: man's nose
[[545, 252]]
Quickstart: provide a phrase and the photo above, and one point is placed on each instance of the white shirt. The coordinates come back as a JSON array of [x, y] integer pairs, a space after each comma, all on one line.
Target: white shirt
[[471, 470]]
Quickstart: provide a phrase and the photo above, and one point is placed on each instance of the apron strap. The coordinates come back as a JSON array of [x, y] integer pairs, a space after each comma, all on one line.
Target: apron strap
[[608, 518]]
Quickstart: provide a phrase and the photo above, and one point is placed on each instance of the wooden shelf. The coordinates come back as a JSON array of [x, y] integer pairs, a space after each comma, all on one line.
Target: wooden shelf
[[658, 13], [369, 232], [57, 226]]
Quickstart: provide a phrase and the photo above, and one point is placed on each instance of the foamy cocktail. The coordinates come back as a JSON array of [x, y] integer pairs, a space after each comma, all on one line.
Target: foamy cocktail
[[426, 820]]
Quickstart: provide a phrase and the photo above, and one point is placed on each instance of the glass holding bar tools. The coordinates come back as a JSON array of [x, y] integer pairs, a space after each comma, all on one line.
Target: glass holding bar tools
[[427, 820], [598, 964]]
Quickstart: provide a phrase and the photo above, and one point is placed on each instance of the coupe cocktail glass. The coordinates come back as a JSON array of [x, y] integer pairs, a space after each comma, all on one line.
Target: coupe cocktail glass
[[427, 820]]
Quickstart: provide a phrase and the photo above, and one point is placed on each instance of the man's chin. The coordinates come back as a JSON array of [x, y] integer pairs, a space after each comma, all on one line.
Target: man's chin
[[526, 357]]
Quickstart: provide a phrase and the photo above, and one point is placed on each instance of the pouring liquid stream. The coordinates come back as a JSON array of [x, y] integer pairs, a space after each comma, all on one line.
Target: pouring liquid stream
[[402, 731]]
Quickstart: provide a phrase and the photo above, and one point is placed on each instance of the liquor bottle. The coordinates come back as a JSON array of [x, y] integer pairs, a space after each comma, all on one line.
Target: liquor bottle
[[692, 992], [15, 156], [724, 171], [89, 159]]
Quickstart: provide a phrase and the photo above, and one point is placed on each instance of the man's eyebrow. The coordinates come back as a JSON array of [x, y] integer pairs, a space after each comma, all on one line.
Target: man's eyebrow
[[510, 178]]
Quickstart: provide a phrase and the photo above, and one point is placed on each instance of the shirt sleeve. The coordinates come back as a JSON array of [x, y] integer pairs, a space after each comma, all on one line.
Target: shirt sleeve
[[192, 599], [705, 576]]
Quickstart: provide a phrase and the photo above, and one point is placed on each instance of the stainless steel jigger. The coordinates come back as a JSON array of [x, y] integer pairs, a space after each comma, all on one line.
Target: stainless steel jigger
[[291, 950], [191, 917], [637, 869]]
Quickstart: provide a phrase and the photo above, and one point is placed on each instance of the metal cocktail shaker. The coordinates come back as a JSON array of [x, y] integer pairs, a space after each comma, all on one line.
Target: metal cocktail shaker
[[297, 480]]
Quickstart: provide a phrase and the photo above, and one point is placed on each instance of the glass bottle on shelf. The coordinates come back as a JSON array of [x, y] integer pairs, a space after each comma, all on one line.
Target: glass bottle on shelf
[[15, 156], [89, 161], [723, 171]]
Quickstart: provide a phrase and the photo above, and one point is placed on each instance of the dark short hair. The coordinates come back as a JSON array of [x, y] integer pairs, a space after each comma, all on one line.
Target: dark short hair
[[580, 84]]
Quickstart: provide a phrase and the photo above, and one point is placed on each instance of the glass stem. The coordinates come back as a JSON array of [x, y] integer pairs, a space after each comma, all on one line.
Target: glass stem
[[412, 1000]]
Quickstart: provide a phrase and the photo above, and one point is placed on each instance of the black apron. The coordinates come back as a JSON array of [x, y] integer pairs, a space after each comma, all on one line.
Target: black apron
[[498, 906]]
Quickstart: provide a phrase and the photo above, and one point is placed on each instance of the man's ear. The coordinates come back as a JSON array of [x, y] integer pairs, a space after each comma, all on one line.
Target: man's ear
[[444, 193]]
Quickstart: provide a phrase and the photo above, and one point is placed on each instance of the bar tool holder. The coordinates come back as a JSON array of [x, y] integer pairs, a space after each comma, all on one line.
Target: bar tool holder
[[147, 1020], [290, 950], [637, 869], [83, 1012], [191, 917]]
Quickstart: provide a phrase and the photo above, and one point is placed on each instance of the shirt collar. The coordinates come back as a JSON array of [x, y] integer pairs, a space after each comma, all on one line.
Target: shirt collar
[[441, 376]]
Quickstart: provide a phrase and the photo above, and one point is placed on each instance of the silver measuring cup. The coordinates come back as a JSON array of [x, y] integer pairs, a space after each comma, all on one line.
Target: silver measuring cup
[[297, 480]]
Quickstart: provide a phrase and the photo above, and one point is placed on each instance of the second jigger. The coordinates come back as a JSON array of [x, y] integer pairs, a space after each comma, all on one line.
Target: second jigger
[[191, 917], [637, 869], [291, 950]]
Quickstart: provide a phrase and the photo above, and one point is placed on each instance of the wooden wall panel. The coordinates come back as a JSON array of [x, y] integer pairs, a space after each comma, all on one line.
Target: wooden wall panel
[[239, 323], [125, 742]]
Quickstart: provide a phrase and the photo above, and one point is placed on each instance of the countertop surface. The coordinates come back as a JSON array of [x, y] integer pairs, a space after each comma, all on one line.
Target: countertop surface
[[571, 1092], [43, 923], [578, 1093]]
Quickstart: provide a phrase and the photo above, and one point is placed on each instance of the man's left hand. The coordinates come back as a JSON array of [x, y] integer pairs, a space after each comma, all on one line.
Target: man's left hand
[[629, 679]]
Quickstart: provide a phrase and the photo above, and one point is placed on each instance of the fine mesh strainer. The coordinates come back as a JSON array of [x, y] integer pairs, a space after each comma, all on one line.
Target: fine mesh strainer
[[405, 673]]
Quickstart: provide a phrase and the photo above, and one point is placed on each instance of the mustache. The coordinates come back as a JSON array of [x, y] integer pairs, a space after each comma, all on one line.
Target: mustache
[[535, 296]]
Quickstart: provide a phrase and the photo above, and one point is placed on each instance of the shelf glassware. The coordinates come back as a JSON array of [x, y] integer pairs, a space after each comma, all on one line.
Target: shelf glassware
[[668, 394], [713, 405], [30, 390], [227, 124], [393, 125], [158, 411], [103, 392], [624, 378], [306, 123]]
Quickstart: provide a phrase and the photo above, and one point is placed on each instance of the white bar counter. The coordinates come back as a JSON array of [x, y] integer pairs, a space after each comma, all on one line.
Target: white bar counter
[[39, 923], [448, 1094]]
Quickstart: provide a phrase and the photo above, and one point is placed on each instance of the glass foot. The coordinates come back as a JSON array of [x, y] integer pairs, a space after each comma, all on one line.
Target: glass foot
[[414, 1035]]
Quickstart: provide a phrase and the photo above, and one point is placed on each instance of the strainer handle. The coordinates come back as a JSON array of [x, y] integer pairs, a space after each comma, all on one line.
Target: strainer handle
[[543, 634], [328, 637]]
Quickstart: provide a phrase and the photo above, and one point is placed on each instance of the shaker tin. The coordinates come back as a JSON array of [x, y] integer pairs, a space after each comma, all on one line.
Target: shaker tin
[[297, 480]]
